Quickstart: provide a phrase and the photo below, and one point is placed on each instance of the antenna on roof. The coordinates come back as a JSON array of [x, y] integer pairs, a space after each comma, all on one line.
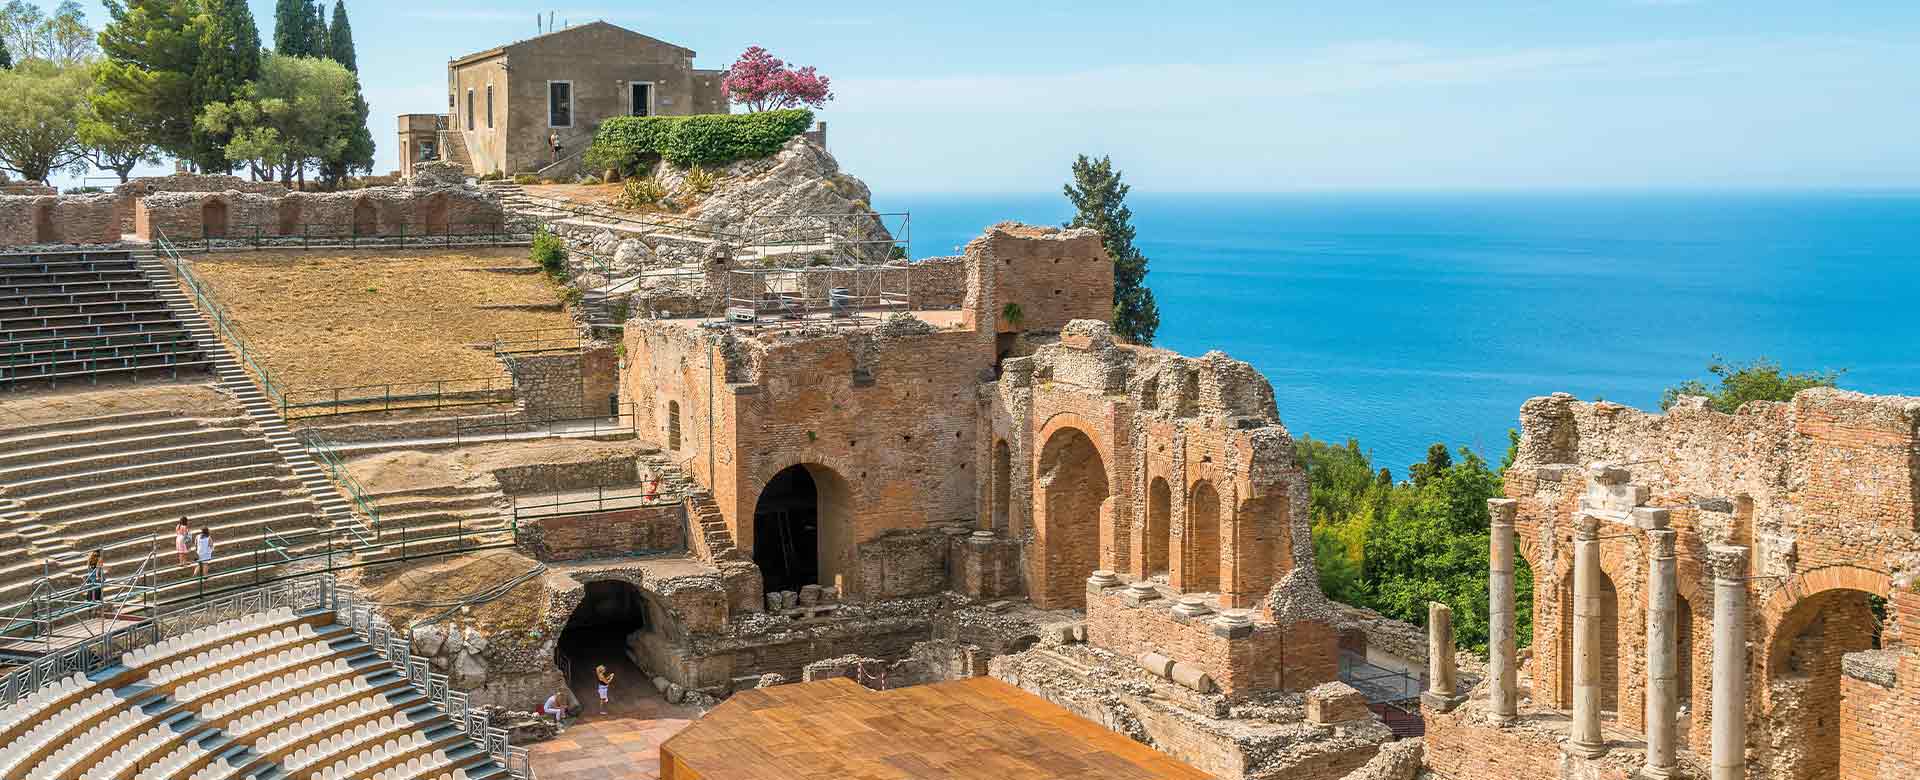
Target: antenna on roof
[[549, 21]]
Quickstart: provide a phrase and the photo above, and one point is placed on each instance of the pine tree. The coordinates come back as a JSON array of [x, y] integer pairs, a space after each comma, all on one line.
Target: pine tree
[[146, 83], [290, 28], [340, 38], [229, 58], [1099, 198], [316, 29]]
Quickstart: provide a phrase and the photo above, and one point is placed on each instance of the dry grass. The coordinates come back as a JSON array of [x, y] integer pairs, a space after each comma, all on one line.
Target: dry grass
[[340, 318], [458, 577], [63, 403]]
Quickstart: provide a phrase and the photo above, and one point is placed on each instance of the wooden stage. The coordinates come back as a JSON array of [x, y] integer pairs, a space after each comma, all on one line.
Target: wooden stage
[[973, 729]]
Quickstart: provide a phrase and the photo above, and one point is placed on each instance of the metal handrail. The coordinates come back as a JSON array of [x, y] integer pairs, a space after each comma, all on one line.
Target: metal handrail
[[598, 503], [506, 230], [337, 470], [216, 313], [360, 399], [465, 430]]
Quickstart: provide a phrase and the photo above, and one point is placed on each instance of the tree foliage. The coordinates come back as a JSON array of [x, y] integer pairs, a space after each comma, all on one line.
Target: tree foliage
[[62, 37], [1099, 200], [629, 142], [40, 108], [1393, 547], [290, 35], [763, 82], [298, 113], [340, 39], [147, 82], [1762, 379], [229, 59], [112, 143], [357, 153]]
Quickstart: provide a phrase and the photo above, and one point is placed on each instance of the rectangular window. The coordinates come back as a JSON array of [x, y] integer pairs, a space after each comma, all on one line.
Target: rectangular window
[[469, 109], [559, 104], [489, 106], [642, 96]]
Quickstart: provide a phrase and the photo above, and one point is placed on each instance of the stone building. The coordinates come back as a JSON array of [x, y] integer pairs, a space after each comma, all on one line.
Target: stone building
[[1695, 564], [504, 102]]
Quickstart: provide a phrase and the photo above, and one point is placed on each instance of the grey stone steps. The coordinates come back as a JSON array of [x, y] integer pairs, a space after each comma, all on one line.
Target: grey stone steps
[[114, 466], [66, 452], [81, 511], [404, 502], [159, 520], [63, 498], [21, 432]]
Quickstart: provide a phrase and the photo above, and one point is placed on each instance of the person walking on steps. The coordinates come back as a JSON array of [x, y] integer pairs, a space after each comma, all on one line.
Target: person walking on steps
[[182, 541], [553, 140], [605, 686], [96, 577], [204, 551]]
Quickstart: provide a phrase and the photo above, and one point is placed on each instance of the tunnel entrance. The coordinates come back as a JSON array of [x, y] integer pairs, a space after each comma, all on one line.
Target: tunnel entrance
[[786, 531], [596, 634]]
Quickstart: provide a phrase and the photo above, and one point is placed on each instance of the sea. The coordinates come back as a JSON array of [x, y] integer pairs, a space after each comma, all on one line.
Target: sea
[[1401, 320]]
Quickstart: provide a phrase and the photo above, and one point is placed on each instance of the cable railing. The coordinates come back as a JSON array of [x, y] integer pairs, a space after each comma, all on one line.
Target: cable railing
[[304, 403], [562, 503], [538, 340], [333, 235], [217, 315], [619, 418]]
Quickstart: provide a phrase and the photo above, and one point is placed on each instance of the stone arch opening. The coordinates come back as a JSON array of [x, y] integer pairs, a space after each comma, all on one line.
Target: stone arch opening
[[44, 229], [1002, 486], [366, 218], [436, 214], [288, 217], [1201, 548], [213, 218], [1610, 677], [673, 425], [1159, 532], [1072, 480], [802, 529], [1803, 677], [601, 632]]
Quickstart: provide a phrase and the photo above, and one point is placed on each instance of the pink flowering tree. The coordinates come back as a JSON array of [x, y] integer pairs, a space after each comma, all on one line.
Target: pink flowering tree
[[762, 82]]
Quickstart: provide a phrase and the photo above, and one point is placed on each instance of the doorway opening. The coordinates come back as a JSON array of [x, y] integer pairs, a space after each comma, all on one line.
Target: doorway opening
[[786, 531], [596, 634]]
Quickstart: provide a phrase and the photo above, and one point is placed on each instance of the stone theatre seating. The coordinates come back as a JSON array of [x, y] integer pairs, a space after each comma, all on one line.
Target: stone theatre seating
[[81, 316]]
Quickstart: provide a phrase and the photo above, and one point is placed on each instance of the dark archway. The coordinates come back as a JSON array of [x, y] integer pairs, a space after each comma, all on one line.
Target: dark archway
[[366, 218], [1610, 677], [1201, 545], [673, 425], [44, 229], [289, 217], [801, 529], [1159, 531], [597, 633], [436, 214], [213, 218], [1073, 481]]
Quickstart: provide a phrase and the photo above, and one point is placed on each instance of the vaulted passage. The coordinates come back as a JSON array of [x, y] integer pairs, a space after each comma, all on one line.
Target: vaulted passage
[[786, 531], [596, 634], [1072, 484], [1202, 540], [213, 218], [1159, 527], [1804, 691]]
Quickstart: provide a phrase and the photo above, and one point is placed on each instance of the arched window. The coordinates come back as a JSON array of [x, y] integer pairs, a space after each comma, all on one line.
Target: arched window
[[673, 425]]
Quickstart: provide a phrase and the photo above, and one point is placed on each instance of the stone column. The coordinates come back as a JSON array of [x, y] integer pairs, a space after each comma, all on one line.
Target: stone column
[[1586, 739], [1729, 563], [1663, 647], [1442, 687], [1502, 672]]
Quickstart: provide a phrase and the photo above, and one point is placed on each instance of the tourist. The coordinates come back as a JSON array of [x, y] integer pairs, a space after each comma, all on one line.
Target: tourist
[[182, 540], [653, 487], [556, 706], [553, 140], [205, 550], [606, 685], [96, 578]]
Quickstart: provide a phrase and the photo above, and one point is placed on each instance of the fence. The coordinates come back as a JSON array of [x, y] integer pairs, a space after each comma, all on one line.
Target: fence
[[304, 594], [578, 502], [392, 396], [487, 429], [217, 314], [308, 235], [538, 340], [1378, 683], [337, 470]]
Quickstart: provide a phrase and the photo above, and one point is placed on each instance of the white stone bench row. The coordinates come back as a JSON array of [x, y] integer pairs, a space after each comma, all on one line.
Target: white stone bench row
[[215, 656], [42, 700], [272, 689], [310, 711], [56, 723], [393, 728], [417, 768], [104, 732], [171, 763], [288, 659], [131, 754], [206, 636], [414, 767]]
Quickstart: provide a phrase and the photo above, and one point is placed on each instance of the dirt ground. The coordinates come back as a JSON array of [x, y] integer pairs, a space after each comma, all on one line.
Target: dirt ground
[[332, 318], [45, 406], [450, 579], [391, 472]]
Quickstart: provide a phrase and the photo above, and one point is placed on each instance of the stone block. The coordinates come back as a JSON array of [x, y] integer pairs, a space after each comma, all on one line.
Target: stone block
[[1192, 677], [1335, 702], [1159, 665]]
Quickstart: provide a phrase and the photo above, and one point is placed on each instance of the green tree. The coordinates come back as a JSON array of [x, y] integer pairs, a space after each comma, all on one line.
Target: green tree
[[62, 37], [316, 29], [1759, 380], [290, 28], [293, 116], [6, 56], [229, 59], [1099, 200], [146, 84], [40, 108], [112, 142], [340, 38], [357, 154]]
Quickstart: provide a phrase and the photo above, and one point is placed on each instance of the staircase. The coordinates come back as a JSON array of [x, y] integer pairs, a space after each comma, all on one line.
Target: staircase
[[453, 149], [443, 518], [233, 379]]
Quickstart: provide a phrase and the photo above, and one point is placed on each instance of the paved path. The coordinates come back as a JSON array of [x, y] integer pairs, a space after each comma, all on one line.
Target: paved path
[[621, 745]]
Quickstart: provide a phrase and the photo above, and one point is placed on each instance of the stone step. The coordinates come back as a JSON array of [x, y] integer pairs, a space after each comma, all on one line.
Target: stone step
[[117, 466], [197, 490], [142, 440]]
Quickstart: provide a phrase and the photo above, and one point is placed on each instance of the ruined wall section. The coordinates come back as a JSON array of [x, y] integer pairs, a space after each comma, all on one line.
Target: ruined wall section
[[373, 211], [56, 220]]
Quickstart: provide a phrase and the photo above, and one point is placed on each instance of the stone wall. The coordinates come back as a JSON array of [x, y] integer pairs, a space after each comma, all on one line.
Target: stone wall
[[565, 384], [58, 220], [130, 193], [1260, 657], [1879, 699], [374, 211], [644, 530]]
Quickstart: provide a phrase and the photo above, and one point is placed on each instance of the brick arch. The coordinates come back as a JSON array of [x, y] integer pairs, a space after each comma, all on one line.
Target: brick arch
[[1072, 507], [1071, 420], [1807, 627], [1839, 576], [1198, 561], [837, 499]]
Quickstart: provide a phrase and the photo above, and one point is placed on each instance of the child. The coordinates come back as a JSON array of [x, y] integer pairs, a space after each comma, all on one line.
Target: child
[[606, 684], [182, 540], [206, 552]]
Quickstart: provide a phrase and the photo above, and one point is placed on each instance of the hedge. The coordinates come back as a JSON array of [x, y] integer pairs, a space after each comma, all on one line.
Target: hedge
[[628, 142]]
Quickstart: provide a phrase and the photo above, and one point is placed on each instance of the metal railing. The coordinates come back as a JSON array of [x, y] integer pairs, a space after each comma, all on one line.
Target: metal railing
[[563, 503], [216, 314], [363, 507], [310, 235], [538, 340], [425, 394], [1378, 683], [486, 429]]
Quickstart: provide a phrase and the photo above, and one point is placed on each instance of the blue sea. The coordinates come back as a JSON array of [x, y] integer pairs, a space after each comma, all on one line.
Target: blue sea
[[1407, 319]]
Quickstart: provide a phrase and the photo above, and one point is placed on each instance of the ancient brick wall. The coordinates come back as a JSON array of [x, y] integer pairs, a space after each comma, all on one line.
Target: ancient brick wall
[[606, 534], [374, 211], [1054, 276], [130, 193], [30, 220], [938, 282], [1822, 489], [1269, 657], [1458, 747]]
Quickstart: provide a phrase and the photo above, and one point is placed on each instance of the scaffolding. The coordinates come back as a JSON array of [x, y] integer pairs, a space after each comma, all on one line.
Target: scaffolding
[[817, 293]]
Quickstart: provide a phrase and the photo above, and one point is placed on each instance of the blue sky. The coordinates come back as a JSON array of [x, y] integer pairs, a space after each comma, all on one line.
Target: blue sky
[[995, 96]]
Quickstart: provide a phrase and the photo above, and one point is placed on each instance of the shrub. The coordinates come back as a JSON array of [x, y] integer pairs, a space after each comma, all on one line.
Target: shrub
[[700, 180], [550, 253], [494, 176], [525, 178], [629, 142], [639, 194], [587, 179]]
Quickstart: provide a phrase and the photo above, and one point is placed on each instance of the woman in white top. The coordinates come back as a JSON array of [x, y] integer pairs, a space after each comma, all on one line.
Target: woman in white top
[[204, 551]]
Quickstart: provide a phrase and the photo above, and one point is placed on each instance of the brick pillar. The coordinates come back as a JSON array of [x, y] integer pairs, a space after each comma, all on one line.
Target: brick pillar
[[1663, 648], [1729, 564], [1502, 674], [1586, 739]]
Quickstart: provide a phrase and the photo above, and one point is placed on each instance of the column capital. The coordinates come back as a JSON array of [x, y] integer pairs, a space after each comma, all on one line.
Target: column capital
[[1727, 561], [1586, 527], [1660, 543], [1502, 510]]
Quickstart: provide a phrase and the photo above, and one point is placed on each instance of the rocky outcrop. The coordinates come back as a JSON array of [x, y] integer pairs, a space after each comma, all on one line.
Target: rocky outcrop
[[437, 173], [797, 196]]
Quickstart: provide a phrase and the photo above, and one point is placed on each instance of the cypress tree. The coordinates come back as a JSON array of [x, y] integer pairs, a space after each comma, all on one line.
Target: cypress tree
[[1099, 198], [229, 58], [340, 38], [6, 57], [316, 31], [290, 28]]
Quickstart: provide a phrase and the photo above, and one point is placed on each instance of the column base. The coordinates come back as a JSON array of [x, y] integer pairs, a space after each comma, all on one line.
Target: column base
[[1440, 702], [1587, 749], [1654, 772]]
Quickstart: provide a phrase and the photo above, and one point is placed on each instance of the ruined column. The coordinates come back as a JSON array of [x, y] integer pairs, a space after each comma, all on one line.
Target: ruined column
[[1502, 674], [1586, 739], [1663, 647], [1442, 686], [1729, 564]]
